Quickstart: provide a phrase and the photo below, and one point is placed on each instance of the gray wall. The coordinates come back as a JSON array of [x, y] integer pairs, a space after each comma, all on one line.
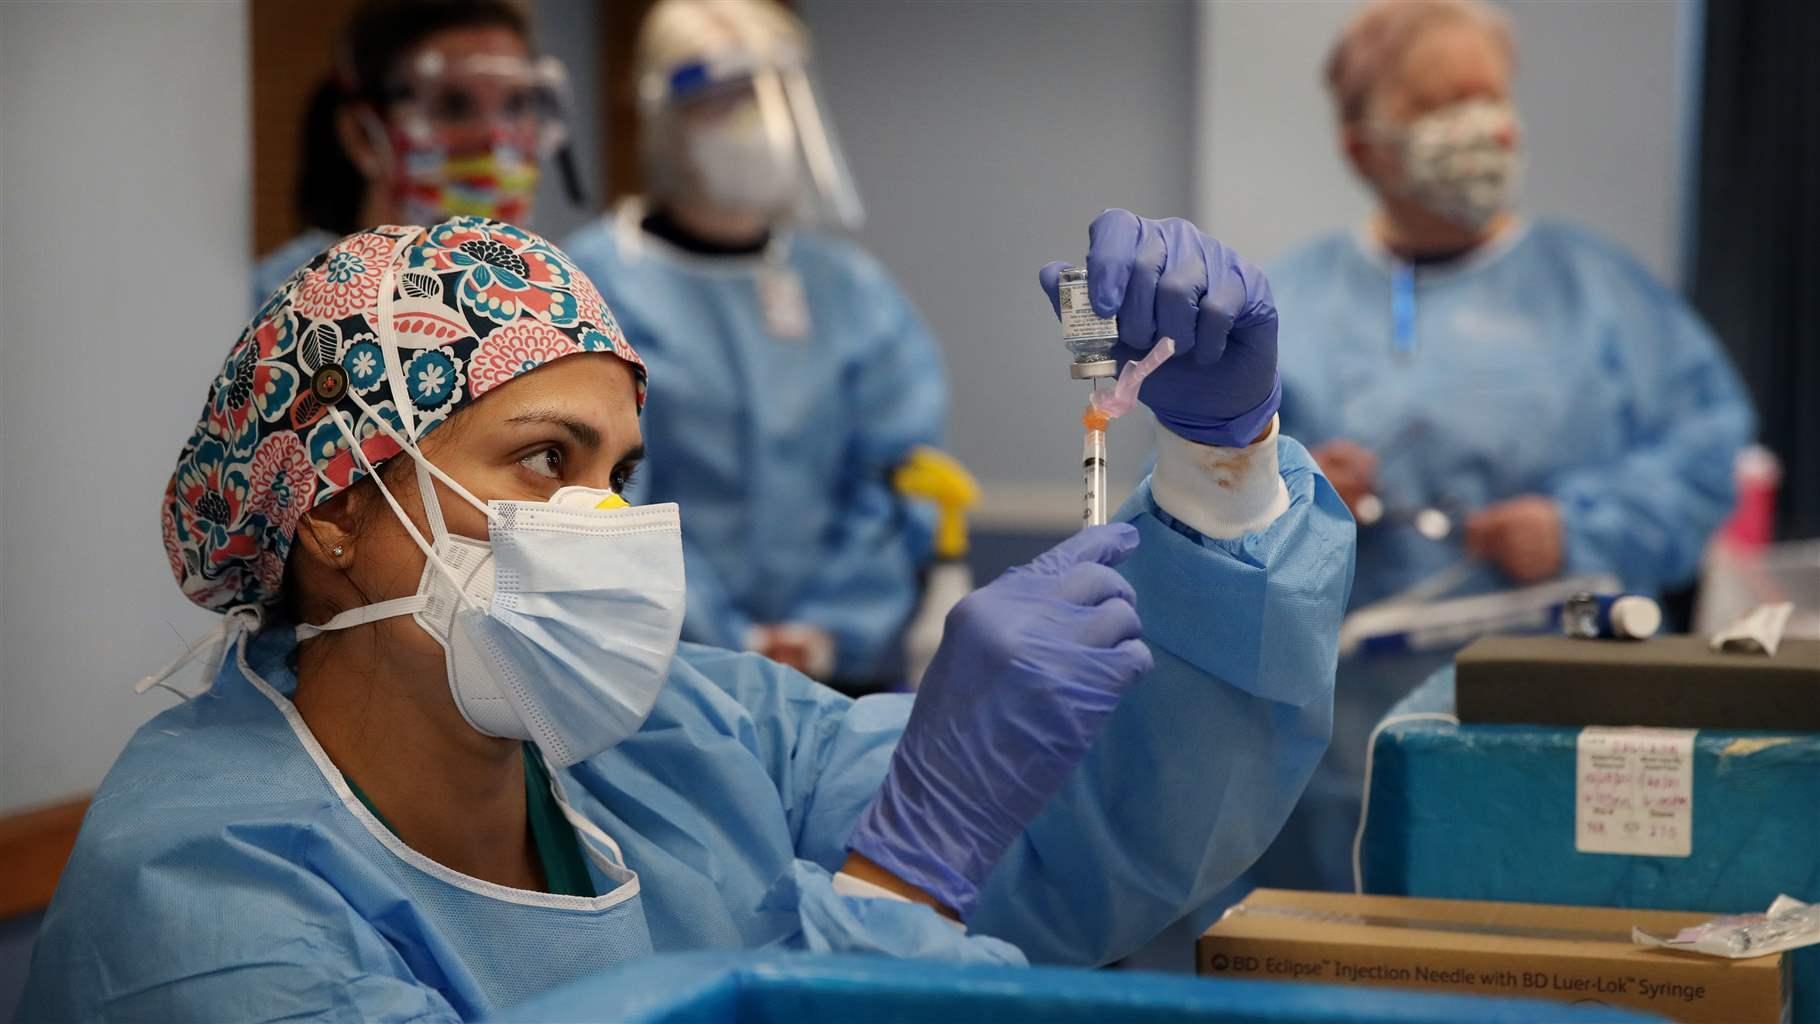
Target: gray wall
[[1600, 84], [569, 30], [984, 137], [124, 234]]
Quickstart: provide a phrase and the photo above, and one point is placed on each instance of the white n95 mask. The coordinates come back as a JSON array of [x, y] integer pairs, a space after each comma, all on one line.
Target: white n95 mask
[[560, 628], [1460, 162], [740, 165]]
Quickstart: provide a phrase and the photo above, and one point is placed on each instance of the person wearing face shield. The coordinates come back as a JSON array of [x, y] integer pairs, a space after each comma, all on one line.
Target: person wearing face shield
[[794, 375], [435, 108], [448, 752], [1574, 415]]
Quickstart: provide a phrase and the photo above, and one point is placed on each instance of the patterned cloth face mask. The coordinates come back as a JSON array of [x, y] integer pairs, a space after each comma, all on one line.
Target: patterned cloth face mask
[[439, 177], [466, 137], [1460, 162]]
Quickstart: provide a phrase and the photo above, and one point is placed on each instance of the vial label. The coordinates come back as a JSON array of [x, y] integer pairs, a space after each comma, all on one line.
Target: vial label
[[1079, 322]]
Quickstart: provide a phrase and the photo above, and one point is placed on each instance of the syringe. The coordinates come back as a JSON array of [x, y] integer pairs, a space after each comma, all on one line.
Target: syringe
[[1090, 339], [1093, 465]]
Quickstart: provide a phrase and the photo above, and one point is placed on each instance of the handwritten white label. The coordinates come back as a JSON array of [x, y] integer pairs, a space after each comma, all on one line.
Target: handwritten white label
[[1634, 792]]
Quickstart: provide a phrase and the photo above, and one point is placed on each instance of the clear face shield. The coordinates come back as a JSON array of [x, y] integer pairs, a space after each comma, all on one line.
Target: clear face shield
[[754, 138], [468, 135]]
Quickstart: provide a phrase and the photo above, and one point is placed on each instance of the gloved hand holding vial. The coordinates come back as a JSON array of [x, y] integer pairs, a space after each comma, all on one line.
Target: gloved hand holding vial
[[1148, 283]]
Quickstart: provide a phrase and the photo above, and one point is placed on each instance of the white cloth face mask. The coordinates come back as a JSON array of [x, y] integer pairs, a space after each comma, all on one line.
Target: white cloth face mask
[[1460, 162], [740, 165], [558, 629]]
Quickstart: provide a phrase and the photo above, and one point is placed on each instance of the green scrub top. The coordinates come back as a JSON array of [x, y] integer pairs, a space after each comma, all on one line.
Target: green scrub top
[[565, 870]]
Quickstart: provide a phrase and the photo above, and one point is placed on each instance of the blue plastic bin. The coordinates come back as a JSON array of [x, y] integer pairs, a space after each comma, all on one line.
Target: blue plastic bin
[[729, 988]]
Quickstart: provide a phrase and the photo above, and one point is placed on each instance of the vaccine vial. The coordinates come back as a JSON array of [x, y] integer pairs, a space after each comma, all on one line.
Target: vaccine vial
[[1610, 617], [1089, 336]]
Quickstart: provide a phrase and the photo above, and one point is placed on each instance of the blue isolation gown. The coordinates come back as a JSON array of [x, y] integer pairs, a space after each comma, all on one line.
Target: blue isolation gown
[[1549, 362], [779, 443], [226, 872]]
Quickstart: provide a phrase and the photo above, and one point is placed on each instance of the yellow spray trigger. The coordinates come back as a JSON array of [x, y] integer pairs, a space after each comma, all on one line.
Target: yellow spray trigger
[[933, 475]]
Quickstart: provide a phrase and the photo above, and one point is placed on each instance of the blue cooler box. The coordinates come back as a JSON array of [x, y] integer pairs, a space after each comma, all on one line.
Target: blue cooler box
[[743, 988], [1487, 813]]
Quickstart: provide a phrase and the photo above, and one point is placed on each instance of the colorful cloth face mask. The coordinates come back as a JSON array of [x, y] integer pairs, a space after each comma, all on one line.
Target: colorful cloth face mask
[[465, 136], [1460, 162], [435, 181], [434, 173]]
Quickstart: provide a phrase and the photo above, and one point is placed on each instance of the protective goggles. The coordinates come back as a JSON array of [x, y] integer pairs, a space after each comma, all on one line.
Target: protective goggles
[[528, 98]]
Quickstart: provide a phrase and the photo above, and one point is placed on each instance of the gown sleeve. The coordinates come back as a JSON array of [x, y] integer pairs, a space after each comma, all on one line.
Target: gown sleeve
[[1204, 759], [1191, 780], [827, 755]]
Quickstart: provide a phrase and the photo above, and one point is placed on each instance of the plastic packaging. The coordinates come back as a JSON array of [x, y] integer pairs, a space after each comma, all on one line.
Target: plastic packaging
[[1759, 632], [1788, 924], [1122, 397]]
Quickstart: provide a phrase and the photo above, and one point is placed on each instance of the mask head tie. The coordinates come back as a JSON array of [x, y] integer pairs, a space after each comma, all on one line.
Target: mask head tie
[[429, 552], [388, 344], [410, 605], [395, 377], [410, 448], [239, 620]]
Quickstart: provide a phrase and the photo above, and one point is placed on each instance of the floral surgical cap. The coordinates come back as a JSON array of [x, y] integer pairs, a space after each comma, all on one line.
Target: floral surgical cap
[[473, 304]]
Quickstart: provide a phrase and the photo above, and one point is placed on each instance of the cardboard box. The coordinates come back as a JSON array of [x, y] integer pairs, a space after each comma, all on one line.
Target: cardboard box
[[1674, 682], [1572, 954]]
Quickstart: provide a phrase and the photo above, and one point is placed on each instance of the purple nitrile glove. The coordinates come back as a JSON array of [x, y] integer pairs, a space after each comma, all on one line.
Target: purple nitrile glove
[[1165, 279], [1030, 667]]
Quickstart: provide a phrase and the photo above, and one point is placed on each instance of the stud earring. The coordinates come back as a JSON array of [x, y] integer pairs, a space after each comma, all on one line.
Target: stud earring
[[337, 551]]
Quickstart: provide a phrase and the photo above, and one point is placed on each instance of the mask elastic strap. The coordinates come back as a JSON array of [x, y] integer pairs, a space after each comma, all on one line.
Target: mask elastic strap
[[379, 140], [347, 430], [388, 342], [366, 613], [432, 505], [423, 464], [243, 618]]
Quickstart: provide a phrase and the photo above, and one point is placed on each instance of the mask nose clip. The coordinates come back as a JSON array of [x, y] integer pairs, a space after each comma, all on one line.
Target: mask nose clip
[[575, 496]]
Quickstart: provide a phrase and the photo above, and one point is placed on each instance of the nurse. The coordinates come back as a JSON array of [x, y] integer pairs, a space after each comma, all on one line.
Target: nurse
[[435, 108], [453, 753], [790, 375], [1527, 376]]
